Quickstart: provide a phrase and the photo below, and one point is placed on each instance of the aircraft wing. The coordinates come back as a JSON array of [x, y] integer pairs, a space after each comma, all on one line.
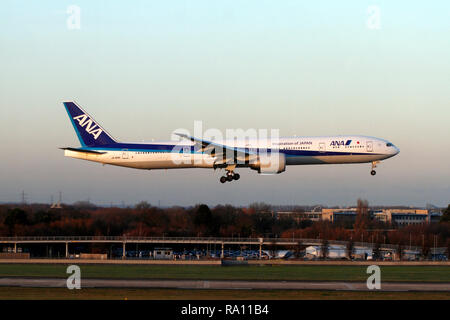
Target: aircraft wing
[[224, 154]]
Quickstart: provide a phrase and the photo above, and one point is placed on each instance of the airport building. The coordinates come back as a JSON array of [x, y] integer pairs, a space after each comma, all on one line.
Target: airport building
[[299, 216], [404, 217], [401, 217], [339, 215]]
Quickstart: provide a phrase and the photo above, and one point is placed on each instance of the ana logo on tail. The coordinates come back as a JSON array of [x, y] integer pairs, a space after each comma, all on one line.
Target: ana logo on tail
[[91, 126]]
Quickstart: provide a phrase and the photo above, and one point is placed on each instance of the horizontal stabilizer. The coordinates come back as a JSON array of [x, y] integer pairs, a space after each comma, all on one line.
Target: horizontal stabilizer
[[83, 151]]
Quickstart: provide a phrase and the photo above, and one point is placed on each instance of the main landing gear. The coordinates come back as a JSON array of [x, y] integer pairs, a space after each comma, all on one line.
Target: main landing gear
[[374, 165], [230, 176]]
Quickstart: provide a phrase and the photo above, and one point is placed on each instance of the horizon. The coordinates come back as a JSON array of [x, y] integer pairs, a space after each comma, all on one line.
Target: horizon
[[428, 206]]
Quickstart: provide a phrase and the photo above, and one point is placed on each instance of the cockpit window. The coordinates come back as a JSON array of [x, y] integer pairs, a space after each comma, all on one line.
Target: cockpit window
[[389, 144]]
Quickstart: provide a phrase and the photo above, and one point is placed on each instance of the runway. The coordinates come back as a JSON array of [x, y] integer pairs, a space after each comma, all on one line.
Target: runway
[[222, 284]]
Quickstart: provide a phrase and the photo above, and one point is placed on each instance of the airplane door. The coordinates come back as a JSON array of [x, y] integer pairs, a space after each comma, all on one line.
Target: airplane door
[[322, 147], [186, 154], [369, 145], [124, 153]]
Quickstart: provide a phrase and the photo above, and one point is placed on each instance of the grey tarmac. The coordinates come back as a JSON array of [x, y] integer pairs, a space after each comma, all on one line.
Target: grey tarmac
[[223, 284]]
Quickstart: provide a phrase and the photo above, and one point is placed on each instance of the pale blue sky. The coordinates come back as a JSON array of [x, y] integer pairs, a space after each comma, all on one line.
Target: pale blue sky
[[145, 68]]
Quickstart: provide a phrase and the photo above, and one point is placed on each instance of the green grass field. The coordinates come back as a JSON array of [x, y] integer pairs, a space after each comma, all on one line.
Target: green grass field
[[313, 273]]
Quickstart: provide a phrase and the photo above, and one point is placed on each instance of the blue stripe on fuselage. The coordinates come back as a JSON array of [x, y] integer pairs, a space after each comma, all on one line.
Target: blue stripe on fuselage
[[168, 148]]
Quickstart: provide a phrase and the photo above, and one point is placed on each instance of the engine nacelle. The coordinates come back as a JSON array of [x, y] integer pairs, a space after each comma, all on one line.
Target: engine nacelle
[[270, 164]]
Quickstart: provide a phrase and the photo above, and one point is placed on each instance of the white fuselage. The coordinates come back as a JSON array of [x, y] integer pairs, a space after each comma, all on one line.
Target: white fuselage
[[297, 151]]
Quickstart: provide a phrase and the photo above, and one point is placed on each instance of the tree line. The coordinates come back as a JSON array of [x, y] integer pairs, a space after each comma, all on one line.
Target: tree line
[[257, 220]]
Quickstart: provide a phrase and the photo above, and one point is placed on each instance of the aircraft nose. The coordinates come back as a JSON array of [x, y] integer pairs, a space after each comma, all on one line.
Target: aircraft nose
[[396, 151]]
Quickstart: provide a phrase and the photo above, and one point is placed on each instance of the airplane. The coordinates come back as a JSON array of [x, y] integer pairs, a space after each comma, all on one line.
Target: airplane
[[266, 156]]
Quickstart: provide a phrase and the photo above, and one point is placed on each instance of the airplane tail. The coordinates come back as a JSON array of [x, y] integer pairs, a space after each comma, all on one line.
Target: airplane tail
[[89, 132]]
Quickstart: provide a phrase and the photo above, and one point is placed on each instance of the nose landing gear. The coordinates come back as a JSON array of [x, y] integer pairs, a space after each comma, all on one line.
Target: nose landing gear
[[374, 165]]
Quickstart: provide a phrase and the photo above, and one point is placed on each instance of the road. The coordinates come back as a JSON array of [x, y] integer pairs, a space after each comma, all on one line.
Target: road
[[217, 284]]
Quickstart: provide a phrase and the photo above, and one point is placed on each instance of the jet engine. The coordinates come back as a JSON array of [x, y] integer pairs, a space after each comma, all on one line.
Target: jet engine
[[271, 163]]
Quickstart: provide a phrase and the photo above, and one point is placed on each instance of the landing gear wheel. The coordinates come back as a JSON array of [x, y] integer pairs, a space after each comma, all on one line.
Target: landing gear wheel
[[374, 165], [230, 175]]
